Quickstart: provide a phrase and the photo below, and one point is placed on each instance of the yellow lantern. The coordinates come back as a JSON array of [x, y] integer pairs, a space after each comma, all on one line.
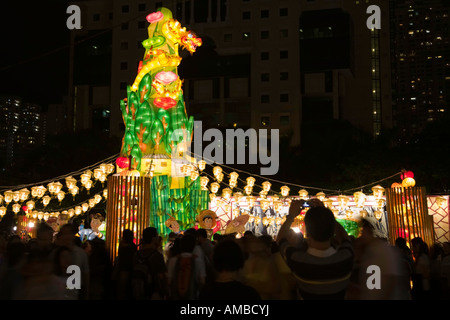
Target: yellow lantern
[[97, 198], [71, 182], [24, 193], [377, 191], [30, 205], [219, 177], [40, 192], [74, 190], [285, 191], [201, 165], [58, 186], [266, 186], [248, 190], [102, 167], [88, 185], [408, 182], [78, 210], [226, 193], [91, 202], [303, 194], [217, 170], [51, 187], [1, 199], [215, 187], [61, 195], [194, 175], [16, 208], [105, 193], [380, 203], [109, 168], [97, 173], [250, 181], [8, 196], [328, 203], [234, 176], [85, 207], [321, 196], [359, 198], [2, 211], [46, 200], [204, 182], [16, 196], [71, 212], [233, 184], [262, 194]]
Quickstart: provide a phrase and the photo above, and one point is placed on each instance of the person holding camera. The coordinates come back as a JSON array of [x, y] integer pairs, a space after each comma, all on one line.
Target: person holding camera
[[322, 262]]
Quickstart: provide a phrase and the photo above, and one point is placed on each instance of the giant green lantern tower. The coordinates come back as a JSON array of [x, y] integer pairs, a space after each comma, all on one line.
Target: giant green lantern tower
[[158, 131]]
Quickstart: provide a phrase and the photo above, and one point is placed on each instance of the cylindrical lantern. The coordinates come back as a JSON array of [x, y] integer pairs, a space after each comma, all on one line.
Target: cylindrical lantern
[[46, 200], [194, 175], [71, 182], [234, 176], [285, 191], [377, 191], [85, 207], [250, 181], [24, 193], [303, 194], [204, 182], [61, 195], [201, 165], [215, 187], [226, 193], [30, 205], [321, 196], [2, 211], [16, 208], [266, 186], [16, 196], [328, 203], [217, 170], [8, 196], [248, 190]]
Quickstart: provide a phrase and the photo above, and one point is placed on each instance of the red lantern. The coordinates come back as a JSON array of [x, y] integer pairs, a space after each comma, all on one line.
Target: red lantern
[[165, 103], [123, 162], [407, 174]]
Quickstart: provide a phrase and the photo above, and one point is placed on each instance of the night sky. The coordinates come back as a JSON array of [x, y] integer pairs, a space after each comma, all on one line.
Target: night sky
[[34, 53]]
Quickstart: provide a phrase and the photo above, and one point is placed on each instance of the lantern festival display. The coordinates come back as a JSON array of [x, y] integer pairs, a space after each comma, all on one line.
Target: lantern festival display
[[158, 133]]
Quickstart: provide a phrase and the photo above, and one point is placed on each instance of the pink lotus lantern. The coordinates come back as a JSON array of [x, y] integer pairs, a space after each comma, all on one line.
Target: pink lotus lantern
[[155, 17], [166, 77]]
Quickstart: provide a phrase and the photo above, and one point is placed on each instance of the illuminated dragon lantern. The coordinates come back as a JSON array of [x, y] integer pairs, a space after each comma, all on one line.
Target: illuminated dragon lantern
[[154, 112]]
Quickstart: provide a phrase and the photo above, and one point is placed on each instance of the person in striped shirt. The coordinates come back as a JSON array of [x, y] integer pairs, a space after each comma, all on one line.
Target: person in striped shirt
[[322, 263]]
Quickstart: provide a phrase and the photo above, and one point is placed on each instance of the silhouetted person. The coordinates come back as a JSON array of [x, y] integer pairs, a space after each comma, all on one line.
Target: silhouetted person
[[228, 260]]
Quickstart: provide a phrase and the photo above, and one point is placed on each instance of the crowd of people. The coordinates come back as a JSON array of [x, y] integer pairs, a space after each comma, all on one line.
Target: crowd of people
[[325, 263]]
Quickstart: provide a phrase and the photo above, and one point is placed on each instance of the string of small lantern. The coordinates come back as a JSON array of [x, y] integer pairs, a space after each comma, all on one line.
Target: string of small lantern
[[28, 201]]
